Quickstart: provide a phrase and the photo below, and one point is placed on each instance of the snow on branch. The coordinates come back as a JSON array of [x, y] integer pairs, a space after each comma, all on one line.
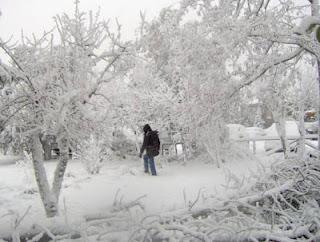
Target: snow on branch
[[9, 53], [261, 69], [307, 25]]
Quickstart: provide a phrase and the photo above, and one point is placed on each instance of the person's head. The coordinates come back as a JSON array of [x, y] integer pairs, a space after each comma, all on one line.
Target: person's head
[[146, 128]]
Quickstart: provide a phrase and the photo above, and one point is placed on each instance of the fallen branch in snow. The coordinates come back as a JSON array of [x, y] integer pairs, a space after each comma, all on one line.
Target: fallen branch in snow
[[191, 204], [99, 216], [107, 220], [117, 207], [117, 219], [129, 205], [46, 230], [203, 213], [269, 193], [281, 206], [105, 233], [17, 219], [37, 237], [55, 233], [40, 232]]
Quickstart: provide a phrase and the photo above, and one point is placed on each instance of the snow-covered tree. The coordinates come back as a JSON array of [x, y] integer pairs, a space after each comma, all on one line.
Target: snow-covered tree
[[209, 59], [197, 61], [55, 85], [290, 38]]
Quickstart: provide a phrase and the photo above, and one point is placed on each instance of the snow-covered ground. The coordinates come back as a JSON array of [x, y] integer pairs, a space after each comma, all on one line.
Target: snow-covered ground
[[8, 159], [85, 194]]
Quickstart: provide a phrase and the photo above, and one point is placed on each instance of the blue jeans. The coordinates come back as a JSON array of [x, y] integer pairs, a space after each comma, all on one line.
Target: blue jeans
[[149, 160]]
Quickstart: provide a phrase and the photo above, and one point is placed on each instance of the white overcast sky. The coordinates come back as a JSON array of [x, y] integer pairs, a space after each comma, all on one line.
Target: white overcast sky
[[34, 16]]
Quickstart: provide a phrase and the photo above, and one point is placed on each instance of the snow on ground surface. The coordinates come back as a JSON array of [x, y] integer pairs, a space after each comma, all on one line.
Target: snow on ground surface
[[85, 194], [8, 159]]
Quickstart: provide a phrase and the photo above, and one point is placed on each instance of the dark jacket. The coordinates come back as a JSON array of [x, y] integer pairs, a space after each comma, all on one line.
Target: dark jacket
[[147, 143], [149, 140]]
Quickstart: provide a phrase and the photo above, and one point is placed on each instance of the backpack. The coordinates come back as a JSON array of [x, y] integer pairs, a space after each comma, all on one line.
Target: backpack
[[155, 143]]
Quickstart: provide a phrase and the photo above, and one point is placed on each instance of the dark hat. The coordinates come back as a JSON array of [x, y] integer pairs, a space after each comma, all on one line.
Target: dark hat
[[146, 128]]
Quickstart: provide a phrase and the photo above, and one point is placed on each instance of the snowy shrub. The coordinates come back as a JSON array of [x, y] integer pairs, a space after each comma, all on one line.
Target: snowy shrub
[[16, 220], [93, 153], [216, 141], [26, 166], [11, 141], [161, 161], [5, 140], [122, 146], [125, 170]]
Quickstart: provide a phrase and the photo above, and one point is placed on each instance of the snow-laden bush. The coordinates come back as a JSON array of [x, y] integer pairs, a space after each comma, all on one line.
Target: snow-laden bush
[[5, 140], [122, 146], [93, 153], [217, 140], [11, 141], [26, 166]]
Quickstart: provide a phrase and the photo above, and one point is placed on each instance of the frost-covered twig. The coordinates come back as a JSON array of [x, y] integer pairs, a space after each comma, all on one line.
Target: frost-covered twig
[[37, 237], [257, 197], [115, 197], [261, 69], [110, 231], [46, 230], [129, 205], [118, 216], [191, 204], [99, 216], [19, 220]]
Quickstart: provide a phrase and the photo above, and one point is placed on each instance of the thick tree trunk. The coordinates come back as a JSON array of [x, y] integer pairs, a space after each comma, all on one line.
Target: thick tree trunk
[[61, 167], [49, 201], [46, 148]]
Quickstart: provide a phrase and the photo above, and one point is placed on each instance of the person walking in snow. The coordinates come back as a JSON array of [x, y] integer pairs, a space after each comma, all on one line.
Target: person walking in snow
[[151, 144]]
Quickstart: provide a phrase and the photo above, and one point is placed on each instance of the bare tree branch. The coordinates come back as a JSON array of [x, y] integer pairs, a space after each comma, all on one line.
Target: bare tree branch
[[259, 7], [9, 54], [100, 79]]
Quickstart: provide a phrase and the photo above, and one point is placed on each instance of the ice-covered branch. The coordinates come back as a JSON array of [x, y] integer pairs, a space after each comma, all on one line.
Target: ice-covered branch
[[261, 69], [11, 56], [307, 25]]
